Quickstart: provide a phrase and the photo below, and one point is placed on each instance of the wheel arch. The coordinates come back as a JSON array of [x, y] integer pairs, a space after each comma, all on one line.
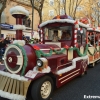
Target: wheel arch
[[42, 75]]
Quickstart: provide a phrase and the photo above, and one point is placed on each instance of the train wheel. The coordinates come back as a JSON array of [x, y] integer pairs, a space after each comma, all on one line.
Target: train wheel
[[93, 65], [82, 74], [42, 88], [84, 69], [86, 72]]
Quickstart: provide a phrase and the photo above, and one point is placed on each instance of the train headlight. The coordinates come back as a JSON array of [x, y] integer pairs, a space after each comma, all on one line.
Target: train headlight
[[39, 63], [42, 63]]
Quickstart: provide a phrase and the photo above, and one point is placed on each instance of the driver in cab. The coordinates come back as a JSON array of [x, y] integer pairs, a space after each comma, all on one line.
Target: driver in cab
[[55, 36], [66, 35]]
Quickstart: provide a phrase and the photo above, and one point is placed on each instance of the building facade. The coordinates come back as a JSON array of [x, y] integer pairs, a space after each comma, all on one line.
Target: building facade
[[84, 8], [8, 19]]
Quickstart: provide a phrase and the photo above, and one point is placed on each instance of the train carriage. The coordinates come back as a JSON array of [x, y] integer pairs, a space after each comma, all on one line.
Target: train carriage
[[94, 48], [35, 69]]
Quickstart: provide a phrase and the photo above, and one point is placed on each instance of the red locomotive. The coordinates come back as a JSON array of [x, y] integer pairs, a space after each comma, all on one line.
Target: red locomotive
[[35, 69]]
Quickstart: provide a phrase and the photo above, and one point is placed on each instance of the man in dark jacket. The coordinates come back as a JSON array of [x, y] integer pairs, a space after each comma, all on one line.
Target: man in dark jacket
[[2, 48]]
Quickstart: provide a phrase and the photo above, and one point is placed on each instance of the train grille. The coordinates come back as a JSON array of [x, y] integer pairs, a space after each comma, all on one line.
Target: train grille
[[11, 86]]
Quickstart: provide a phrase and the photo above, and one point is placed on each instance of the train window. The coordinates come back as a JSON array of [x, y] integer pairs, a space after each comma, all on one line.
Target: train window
[[96, 38], [78, 37], [66, 35], [58, 33], [92, 38], [84, 35]]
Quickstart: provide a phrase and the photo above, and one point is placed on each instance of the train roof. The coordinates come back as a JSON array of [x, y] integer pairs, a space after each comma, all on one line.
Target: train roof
[[93, 29], [63, 21]]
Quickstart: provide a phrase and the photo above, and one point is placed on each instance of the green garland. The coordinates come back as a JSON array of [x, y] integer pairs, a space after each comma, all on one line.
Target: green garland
[[40, 53], [24, 57], [60, 52], [94, 51], [91, 53], [78, 51]]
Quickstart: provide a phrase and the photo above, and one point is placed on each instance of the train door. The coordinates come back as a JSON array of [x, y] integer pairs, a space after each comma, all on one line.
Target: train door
[[96, 46], [91, 47], [81, 40]]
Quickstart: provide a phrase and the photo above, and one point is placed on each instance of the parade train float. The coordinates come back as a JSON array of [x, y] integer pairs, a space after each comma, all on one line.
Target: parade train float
[[35, 69]]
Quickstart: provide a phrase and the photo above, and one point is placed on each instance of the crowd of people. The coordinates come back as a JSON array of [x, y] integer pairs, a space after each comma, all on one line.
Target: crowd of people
[[3, 44], [31, 41]]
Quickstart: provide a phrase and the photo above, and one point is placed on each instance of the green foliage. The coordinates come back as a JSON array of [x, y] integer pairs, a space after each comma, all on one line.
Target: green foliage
[[40, 53], [95, 50], [24, 58]]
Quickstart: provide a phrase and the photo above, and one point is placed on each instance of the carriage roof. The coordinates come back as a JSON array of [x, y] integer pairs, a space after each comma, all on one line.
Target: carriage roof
[[63, 21], [93, 29]]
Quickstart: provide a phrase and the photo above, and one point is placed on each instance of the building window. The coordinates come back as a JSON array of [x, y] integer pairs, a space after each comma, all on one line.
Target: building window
[[42, 13], [51, 2], [62, 11], [62, 1], [51, 12], [79, 8]]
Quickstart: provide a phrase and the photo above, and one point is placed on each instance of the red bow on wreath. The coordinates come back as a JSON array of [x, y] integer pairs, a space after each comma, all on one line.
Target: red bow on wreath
[[66, 47], [36, 47], [51, 48]]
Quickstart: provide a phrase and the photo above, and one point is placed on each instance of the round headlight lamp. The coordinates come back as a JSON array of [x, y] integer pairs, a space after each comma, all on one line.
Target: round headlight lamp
[[39, 63]]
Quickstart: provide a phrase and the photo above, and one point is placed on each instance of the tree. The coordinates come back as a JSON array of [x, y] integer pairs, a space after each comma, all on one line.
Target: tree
[[38, 5], [2, 7], [96, 12], [91, 11], [72, 8], [68, 7], [56, 5]]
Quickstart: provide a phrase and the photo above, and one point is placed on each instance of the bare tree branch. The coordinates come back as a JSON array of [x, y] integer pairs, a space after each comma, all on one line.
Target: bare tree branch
[[3, 5], [38, 5]]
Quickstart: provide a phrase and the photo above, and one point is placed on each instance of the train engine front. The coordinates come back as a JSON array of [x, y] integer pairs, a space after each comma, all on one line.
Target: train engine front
[[22, 67]]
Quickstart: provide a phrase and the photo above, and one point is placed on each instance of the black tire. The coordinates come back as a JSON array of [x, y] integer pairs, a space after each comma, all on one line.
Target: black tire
[[82, 74], [85, 72], [92, 65], [36, 88]]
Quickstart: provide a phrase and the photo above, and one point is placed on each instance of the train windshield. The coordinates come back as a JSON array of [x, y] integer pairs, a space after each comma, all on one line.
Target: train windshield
[[58, 33]]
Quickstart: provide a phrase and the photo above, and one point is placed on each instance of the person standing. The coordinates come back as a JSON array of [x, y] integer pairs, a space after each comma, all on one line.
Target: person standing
[[2, 49]]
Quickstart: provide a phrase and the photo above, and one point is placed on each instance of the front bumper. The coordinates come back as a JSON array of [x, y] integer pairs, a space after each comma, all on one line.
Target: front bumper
[[13, 87]]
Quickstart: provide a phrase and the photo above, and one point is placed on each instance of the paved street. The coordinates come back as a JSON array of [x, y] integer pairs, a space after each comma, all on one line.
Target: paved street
[[77, 88]]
